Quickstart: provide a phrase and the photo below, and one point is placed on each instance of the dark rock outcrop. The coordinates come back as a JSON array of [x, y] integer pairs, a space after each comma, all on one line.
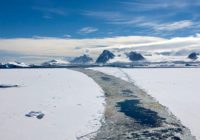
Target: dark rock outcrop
[[134, 56], [193, 56], [82, 59], [1, 65], [105, 56]]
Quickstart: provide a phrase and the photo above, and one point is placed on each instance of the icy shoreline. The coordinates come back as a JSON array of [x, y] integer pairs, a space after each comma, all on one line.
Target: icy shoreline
[[130, 113], [176, 89]]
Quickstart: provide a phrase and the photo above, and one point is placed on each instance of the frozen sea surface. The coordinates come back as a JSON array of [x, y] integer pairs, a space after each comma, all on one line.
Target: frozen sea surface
[[177, 88], [71, 104]]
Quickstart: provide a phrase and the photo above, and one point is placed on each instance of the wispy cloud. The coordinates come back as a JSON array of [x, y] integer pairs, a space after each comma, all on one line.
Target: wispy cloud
[[166, 26], [163, 15], [43, 37], [47, 17], [129, 20], [140, 21], [49, 10], [106, 15], [113, 17], [143, 5], [88, 30]]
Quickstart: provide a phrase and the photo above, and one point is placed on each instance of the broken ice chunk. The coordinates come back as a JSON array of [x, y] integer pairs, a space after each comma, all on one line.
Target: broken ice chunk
[[36, 114]]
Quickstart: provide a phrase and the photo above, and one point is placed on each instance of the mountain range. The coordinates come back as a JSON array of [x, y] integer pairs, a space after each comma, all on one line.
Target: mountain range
[[118, 58]]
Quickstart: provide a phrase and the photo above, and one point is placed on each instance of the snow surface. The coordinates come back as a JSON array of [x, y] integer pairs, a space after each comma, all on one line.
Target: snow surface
[[71, 101], [177, 88]]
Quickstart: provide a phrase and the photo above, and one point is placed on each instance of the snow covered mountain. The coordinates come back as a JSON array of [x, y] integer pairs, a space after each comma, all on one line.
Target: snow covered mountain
[[122, 58], [128, 56], [14, 65], [55, 62], [84, 59], [1, 65], [105, 56], [134, 56], [193, 56]]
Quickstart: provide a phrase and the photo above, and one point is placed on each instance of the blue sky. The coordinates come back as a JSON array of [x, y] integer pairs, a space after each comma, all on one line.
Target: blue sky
[[98, 18], [34, 30]]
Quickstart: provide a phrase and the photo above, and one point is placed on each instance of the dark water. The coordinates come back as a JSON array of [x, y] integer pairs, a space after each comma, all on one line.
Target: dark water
[[127, 91], [105, 78], [8, 86], [142, 115]]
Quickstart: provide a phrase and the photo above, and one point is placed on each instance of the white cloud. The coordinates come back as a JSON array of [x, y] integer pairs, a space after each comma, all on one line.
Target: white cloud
[[173, 44], [156, 25], [67, 36], [48, 46], [88, 30], [68, 47], [176, 25], [168, 26]]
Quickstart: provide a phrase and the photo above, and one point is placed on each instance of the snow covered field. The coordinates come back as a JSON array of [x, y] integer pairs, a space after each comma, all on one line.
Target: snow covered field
[[177, 89], [72, 104]]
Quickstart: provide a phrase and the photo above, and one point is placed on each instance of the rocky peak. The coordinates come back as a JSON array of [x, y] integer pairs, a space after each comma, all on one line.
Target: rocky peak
[[82, 59], [193, 56], [134, 56], [105, 56]]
